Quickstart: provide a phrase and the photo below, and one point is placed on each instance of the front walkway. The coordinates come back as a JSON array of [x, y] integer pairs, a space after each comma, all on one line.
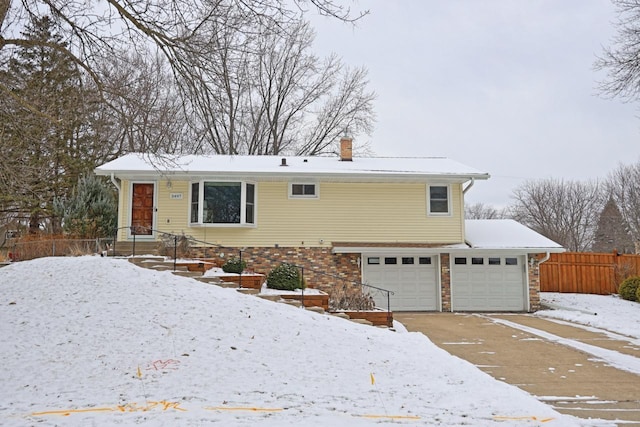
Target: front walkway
[[562, 365]]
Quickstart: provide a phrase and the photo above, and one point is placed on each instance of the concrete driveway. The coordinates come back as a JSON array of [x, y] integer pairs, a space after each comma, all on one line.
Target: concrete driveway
[[537, 356]]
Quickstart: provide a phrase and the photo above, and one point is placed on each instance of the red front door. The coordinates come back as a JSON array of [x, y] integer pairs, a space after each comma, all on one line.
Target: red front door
[[142, 209]]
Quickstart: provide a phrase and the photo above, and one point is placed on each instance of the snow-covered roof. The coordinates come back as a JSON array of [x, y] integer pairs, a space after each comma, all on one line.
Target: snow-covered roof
[[263, 166], [506, 234]]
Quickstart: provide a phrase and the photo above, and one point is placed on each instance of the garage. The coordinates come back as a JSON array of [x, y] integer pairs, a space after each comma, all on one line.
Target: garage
[[412, 279], [488, 282]]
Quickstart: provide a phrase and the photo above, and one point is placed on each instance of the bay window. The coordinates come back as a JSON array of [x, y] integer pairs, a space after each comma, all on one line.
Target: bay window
[[222, 203]]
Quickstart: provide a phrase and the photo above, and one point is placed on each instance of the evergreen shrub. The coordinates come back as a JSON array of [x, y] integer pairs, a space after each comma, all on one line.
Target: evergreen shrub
[[629, 288], [285, 277], [234, 265]]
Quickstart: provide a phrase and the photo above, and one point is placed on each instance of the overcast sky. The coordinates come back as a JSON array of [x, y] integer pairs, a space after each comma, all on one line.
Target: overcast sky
[[505, 86]]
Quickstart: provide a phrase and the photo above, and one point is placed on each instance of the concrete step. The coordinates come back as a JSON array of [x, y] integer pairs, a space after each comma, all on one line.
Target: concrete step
[[144, 259], [192, 274], [341, 315], [362, 322], [274, 298], [249, 291], [141, 248], [210, 280]]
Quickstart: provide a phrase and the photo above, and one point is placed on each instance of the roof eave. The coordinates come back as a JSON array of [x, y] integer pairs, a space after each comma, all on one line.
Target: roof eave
[[406, 176]]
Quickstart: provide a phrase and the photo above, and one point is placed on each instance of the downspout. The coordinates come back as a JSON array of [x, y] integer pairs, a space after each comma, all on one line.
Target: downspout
[[545, 258], [114, 182]]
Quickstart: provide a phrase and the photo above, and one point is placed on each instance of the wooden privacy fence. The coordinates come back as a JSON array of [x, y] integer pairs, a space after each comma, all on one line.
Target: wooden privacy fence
[[587, 273]]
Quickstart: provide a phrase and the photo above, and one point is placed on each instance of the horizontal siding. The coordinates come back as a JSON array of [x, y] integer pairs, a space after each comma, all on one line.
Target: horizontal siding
[[173, 215], [124, 208], [344, 212]]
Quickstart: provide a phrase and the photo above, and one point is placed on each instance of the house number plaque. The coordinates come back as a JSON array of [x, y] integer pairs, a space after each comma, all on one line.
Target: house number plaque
[[175, 196]]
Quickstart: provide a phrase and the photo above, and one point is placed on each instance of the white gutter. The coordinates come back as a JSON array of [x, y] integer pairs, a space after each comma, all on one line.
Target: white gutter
[[114, 182]]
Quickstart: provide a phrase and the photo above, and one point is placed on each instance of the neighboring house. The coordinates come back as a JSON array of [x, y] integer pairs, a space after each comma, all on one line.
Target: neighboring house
[[394, 223]]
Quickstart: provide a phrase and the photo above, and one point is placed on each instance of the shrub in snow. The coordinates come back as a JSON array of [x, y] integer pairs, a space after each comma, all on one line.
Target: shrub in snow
[[234, 265], [629, 288], [173, 244], [285, 277], [349, 299]]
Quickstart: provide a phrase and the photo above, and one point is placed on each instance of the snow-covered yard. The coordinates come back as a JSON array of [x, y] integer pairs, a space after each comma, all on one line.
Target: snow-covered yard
[[606, 312], [96, 341]]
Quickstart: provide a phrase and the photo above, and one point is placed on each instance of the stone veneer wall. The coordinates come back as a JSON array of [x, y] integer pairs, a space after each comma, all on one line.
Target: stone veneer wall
[[445, 282], [534, 282], [322, 269]]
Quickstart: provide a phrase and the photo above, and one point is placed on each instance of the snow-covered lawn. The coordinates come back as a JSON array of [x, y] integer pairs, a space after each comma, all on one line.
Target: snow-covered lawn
[[606, 312], [92, 341]]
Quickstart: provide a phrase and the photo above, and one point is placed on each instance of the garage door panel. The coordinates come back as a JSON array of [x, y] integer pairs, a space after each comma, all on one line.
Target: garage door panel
[[414, 285], [488, 287]]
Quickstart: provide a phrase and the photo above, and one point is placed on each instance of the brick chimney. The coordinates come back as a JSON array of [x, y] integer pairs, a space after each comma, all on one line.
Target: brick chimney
[[346, 146]]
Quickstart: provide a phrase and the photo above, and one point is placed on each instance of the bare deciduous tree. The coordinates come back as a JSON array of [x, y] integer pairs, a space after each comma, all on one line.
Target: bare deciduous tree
[[181, 30], [145, 111], [564, 211], [274, 96], [624, 186], [622, 59], [483, 211]]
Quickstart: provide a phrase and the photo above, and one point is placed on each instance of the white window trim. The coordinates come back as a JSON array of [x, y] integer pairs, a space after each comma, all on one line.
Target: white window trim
[[243, 205], [449, 212], [304, 196]]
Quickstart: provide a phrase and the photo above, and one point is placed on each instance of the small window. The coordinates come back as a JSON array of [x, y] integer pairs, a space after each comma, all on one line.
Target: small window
[[477, 261], [250, 203], [373, 260], [391, 260], [303, 190], [494, 261], [407, 260], [438, 199], [511, 261], [424, 260], [460, 261], [195, 201]]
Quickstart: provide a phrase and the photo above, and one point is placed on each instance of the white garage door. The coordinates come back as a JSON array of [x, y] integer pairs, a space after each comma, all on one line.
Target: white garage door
[[412, 279], [488, 283]]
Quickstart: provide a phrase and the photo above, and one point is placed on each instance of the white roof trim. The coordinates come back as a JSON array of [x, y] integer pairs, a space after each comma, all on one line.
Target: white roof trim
[[382, 168]]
